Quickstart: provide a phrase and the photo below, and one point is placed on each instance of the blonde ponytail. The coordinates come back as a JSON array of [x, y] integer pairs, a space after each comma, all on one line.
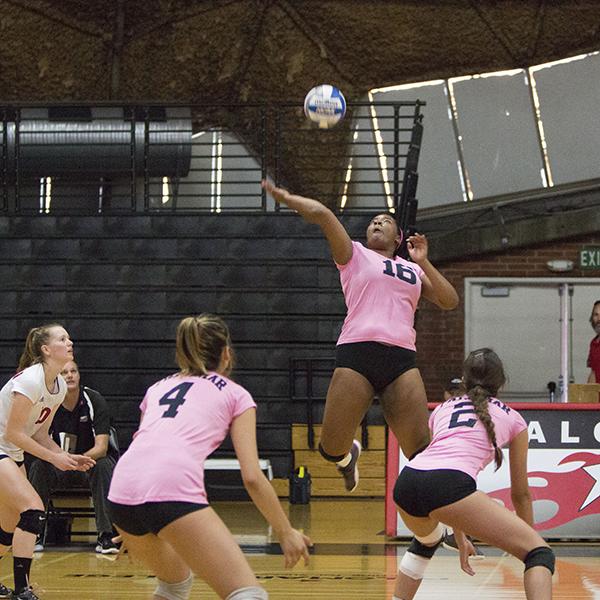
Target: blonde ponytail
[[36, 338], [200, 343]]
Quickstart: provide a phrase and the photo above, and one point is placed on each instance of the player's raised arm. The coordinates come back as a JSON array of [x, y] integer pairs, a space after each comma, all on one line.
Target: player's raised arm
[[316, 212], [436, 288]]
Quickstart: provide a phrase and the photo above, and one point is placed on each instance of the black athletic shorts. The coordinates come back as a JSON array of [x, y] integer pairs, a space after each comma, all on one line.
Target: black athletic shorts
[[17, 462], [419, 492], [150, 517], [378, 363]]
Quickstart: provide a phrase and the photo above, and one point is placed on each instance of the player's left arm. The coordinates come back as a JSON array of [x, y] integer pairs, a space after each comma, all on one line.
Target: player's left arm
[[592, 377], [243, 435], [434, 286], [519, 483]]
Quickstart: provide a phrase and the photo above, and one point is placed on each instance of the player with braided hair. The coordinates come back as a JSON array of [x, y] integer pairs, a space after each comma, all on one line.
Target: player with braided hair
[[439, 484]]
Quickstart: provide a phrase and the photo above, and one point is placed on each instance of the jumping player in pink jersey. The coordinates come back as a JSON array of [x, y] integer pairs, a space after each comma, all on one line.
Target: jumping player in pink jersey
[[28, 402], [439, 484], [157, 497], [375, 352]]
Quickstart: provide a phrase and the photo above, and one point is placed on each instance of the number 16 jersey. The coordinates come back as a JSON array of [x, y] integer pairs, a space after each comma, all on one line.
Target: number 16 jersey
[[459, 439], [184, 419], [381, 295]]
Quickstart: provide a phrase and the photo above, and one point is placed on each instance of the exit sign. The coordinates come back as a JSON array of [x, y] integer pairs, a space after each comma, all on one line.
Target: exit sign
[[589, 258]]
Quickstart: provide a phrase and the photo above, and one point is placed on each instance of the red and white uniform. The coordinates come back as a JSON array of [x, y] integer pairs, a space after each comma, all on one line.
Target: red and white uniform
[[459, 439], [381, 295], [184, 419], [31, 383]]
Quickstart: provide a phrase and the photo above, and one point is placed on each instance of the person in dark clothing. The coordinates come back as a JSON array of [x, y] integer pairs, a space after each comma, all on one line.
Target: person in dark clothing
[[82, 425]]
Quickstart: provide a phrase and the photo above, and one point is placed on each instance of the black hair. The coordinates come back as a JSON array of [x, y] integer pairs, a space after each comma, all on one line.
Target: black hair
[[484, 376]]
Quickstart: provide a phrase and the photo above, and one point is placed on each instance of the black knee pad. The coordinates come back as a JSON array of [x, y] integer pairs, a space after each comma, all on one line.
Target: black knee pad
[[5, 537], [421, 549], [540, 557], [32, 521], [329, 457]]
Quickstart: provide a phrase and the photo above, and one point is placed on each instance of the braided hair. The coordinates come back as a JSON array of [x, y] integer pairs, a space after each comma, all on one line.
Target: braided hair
[[484, 376]]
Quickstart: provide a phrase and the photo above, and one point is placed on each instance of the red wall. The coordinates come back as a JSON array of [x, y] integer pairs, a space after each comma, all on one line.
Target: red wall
[[440, 334]]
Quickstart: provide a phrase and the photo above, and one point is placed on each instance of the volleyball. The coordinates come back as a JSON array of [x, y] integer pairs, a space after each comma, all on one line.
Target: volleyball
[[325, 105]]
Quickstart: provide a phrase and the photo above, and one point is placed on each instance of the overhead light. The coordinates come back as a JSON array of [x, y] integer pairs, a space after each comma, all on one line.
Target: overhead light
[[560, 265]]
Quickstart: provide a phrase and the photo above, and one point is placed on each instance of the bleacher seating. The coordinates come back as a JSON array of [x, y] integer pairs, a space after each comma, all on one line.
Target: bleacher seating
[[121, 284]]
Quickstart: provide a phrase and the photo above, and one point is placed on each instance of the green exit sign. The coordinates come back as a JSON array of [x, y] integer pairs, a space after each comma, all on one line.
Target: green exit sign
[[589, 258]]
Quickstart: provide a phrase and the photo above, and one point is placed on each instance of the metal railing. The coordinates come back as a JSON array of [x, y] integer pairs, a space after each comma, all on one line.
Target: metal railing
[[131, 158]]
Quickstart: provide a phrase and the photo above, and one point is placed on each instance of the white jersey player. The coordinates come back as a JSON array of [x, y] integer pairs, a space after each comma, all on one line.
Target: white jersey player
[[28, 402]]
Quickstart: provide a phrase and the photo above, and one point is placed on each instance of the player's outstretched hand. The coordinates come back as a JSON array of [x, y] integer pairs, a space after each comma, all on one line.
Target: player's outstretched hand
[[279, 194], [84, 463], [465, 549], [295, 545], [64, 461], [417, 247]]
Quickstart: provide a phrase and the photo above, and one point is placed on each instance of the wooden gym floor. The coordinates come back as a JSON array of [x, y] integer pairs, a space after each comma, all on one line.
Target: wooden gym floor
[[351, 560]]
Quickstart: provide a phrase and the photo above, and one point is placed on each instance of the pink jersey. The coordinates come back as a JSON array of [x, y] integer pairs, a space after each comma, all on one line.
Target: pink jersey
[[184, 419], [381, 295], [459, 439]]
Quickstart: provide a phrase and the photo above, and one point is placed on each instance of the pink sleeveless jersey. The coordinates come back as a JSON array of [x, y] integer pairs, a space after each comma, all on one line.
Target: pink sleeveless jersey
[[459, 439], [184, 419], [381, 295]]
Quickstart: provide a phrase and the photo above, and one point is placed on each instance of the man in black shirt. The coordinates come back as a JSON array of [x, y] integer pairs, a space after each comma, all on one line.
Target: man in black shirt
[[81, 426]]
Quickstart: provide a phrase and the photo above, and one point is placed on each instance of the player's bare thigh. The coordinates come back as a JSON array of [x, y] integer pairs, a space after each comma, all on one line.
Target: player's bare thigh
[[404, 405], [205, 544], [348, 399]]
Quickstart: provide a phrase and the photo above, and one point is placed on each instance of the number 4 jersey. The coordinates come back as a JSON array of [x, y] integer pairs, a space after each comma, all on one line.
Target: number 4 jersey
[[381, 295], [459, 439], [184, 419], [31, 383]]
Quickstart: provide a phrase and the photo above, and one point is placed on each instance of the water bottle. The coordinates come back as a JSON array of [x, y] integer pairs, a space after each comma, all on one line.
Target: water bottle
[[551, 391]]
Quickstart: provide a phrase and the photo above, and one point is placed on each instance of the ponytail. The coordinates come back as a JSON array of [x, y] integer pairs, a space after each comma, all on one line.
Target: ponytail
[[484, 376], [200, 343], [36, 338], [480, 399]]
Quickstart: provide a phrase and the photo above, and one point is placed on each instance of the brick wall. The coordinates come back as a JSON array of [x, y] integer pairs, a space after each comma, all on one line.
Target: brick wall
[[440, 334]]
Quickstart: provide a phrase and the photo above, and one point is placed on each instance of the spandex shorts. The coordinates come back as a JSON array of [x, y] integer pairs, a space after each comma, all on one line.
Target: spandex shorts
[[17, 462], [150, 517], [419, 492], [378, 363]]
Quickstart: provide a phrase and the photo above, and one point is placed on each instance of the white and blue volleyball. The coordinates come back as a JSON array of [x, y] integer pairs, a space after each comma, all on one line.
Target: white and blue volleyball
[[325, 105]]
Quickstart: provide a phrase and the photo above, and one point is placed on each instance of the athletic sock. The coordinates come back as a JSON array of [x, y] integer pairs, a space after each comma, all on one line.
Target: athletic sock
[[21, 568], [345, 461]]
